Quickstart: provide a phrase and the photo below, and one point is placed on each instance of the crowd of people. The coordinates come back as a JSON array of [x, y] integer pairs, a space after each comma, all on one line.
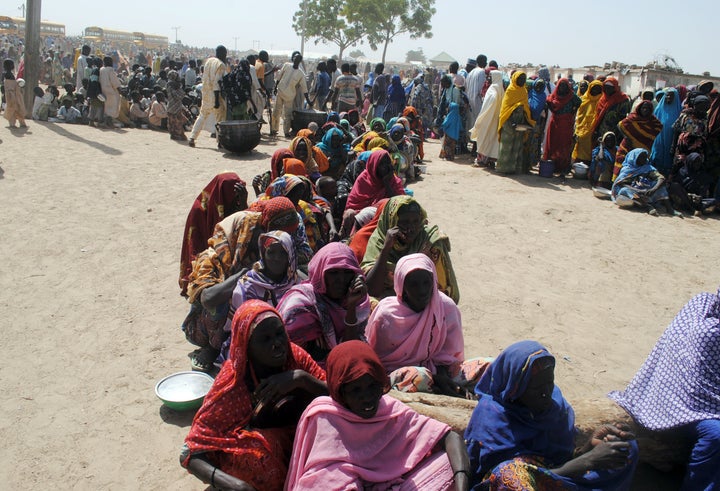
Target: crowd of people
[[330, 287]]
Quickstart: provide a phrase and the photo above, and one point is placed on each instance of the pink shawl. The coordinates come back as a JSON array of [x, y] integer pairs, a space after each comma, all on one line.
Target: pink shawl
[[369, 188], [402, 337], [336, 449]]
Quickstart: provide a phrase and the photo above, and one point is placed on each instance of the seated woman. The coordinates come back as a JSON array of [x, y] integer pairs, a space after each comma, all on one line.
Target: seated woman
[[401, 230], [268, 279], [226, 447], [313, 158], [693, 183], [603, 158], [675, 393], [364, 224], [359, 438], [232, 248], [376, 182], [298, 190], [640, 184], [224, 195], [639, 129], [331, 307], [261, 181], [418, 337], [521, 434], [335, 150]]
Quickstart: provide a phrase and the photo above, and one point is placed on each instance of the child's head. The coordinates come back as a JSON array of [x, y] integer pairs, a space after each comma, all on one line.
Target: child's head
[[69, 88], [147, 93], [54, 90], [327, 187], [159, 96], [38, 92], [8, 65], [67, 103], [136, 96]]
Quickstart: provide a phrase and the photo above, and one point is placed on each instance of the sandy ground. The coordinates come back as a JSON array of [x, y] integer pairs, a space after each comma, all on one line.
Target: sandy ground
[[91, 228]]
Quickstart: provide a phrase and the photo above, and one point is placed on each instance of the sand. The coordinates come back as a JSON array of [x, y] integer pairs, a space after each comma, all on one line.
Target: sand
[[91, 227]]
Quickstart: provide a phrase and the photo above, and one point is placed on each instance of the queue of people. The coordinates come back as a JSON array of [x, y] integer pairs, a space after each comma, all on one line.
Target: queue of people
[[322, 294]]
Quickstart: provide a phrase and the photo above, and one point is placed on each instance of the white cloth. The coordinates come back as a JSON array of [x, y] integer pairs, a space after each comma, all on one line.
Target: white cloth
[[289, 79], [109, 85], [485, 131]]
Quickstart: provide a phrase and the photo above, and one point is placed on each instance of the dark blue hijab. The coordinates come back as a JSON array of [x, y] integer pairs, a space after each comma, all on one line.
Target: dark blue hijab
[[501, 428]]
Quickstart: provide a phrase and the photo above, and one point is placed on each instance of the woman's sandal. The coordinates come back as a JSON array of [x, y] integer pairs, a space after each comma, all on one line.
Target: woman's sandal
[[203, 359]]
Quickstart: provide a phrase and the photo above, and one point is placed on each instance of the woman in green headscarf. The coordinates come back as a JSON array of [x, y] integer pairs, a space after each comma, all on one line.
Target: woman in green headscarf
[[401, 230]]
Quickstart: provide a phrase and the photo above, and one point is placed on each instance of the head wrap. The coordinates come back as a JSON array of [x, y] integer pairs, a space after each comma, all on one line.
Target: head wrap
[[349, 361]]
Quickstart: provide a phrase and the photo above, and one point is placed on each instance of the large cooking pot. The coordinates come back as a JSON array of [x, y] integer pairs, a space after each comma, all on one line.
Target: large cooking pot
[[303, 117], [238, 135]]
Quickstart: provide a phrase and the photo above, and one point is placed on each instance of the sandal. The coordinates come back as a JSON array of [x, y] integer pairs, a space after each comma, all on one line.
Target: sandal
[[203, 359]]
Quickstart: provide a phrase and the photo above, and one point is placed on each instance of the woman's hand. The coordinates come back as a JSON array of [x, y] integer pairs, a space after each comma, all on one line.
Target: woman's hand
[[357, 291], [271, 389], [607, 455], [392, 236], [611, 433]]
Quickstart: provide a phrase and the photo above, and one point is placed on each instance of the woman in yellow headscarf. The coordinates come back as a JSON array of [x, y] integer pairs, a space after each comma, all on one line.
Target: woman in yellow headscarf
[[515, 120], [585, 121]]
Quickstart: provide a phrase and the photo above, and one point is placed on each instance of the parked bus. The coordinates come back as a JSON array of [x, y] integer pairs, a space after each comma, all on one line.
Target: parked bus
[[100, 34], [16, 25], [150, 41]]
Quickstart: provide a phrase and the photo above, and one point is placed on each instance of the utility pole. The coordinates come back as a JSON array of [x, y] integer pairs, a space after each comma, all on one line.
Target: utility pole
[[32, 52], [22, 7], [176, 29], [303, 7], [236, 38], [256, 42]]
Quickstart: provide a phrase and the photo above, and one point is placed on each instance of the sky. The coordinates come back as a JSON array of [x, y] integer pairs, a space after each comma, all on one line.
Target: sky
[[569, 34]]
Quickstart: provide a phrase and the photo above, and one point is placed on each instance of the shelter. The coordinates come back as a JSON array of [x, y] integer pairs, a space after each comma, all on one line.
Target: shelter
[[441, 59]]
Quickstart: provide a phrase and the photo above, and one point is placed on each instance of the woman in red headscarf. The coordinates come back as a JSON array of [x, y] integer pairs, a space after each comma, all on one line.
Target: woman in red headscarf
[[563, 104], [359, 438], [229, 445], [223, 196], [639, 129], [376, 182], [416, 126]]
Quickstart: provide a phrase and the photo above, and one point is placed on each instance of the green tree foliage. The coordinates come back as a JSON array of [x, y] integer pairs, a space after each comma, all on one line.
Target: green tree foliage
[[387, 19], [415, 55], [332, 21], [356, 53]]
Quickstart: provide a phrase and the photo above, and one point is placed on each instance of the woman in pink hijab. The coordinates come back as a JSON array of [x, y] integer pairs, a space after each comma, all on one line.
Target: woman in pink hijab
[[418, 334], [359, 438]]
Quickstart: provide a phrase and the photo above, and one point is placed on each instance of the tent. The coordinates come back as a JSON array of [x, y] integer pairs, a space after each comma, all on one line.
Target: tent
[[442, 59]]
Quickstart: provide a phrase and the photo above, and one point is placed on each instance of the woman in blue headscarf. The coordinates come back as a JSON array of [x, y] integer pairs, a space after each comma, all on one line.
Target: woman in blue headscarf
[[451, 125], [640, 184], [521, 434], [538, 110], [335, 150], [396, 98], [667, 111]]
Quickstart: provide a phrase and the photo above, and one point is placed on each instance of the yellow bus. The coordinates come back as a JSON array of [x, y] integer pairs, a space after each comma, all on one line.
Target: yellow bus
[[16, 25], [100, 34], [150, 41]]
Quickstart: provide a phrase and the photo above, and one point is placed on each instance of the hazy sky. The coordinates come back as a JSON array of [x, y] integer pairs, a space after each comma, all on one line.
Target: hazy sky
[[522, 31]]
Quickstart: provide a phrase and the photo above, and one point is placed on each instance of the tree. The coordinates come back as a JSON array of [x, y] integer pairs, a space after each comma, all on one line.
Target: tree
[[356, 53], [415, 55], [331, 21], [386, 20]]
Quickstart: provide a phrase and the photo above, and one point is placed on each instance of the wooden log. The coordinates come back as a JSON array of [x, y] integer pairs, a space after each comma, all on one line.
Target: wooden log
[[664, 451]]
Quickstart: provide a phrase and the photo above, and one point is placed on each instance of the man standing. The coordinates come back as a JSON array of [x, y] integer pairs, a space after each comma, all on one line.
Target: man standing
[[82, 66], [290, 79], [345, 93], [190, 75], [212, 104], [378, 97], [474, 85]]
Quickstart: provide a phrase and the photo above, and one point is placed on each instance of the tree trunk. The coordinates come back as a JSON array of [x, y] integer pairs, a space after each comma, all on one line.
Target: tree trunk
[[32, 52], [387, 41]]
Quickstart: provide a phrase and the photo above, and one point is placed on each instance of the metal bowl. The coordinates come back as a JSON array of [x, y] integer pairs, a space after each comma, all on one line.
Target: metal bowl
[[601, 193], [183, 391], [580, 170]]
